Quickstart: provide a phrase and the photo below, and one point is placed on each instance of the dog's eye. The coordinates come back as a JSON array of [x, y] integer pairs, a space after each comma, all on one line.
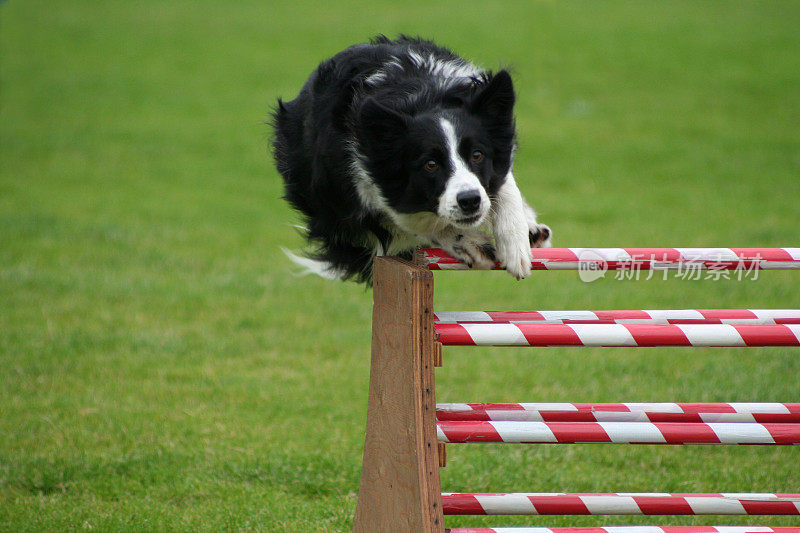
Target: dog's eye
[[477, 156], [431, 165]]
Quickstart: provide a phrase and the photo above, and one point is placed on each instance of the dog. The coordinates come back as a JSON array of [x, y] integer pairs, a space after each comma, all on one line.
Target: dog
[[394, 144]]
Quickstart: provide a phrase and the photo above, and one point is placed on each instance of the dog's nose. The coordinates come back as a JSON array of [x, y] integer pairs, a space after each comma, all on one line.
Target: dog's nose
[[469, 201]]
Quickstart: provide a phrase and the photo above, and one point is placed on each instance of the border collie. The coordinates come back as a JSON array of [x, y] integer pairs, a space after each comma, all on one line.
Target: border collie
[[394, 144]]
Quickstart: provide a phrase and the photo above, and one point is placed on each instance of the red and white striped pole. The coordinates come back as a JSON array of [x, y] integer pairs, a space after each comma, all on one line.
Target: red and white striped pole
[[620, 504], [632, 316], [733, 412], [640, 259], [506, 334], [618, 432], [629, 529]]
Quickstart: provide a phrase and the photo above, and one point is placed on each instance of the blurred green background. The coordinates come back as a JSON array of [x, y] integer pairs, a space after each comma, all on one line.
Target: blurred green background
[[163, 369]]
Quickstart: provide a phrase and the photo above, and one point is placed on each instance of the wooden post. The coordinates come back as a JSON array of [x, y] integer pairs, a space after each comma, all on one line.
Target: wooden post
[[400, 488]]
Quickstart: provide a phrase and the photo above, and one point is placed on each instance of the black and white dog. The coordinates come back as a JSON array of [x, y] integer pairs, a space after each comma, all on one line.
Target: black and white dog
[[400, 143]]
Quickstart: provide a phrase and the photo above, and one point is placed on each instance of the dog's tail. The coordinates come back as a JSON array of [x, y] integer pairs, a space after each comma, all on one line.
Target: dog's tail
[[314, 266]]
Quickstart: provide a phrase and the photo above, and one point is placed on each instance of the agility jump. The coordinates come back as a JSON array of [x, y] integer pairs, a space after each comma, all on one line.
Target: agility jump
[[407, 431]]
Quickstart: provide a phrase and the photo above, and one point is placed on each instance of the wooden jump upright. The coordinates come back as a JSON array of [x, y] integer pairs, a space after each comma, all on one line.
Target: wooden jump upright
[[400, 489]]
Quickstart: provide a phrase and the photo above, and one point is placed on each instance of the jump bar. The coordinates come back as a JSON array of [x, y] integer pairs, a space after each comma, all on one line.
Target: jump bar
[[628, 529], [733, 412], [629, 316], [617, 432], [639, 259], [506, 334], [620, 504]]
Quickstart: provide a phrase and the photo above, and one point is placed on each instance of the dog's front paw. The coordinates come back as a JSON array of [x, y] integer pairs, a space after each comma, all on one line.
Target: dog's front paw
[[473, 248], [515, 256], [540, 235]]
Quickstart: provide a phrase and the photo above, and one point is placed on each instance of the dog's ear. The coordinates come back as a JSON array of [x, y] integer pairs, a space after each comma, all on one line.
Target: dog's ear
[[494, 105], [377, 124], [496, 98]]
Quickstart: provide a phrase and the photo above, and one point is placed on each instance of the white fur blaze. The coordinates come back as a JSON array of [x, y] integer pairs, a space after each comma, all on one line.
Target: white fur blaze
[[462, 179], [510, 224]]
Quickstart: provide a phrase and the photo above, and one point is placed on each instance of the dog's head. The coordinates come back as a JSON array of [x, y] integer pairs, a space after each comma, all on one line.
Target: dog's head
[[447, 158]]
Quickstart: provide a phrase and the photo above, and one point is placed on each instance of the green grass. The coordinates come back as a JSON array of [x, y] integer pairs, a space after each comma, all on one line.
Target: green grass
[[161, 367]]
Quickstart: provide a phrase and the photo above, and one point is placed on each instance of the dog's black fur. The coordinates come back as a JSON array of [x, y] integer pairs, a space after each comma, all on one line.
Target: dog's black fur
[[352, 147]]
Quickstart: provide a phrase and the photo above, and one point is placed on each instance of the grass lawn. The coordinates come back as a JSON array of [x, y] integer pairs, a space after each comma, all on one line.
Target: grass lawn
[[161, 368]]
